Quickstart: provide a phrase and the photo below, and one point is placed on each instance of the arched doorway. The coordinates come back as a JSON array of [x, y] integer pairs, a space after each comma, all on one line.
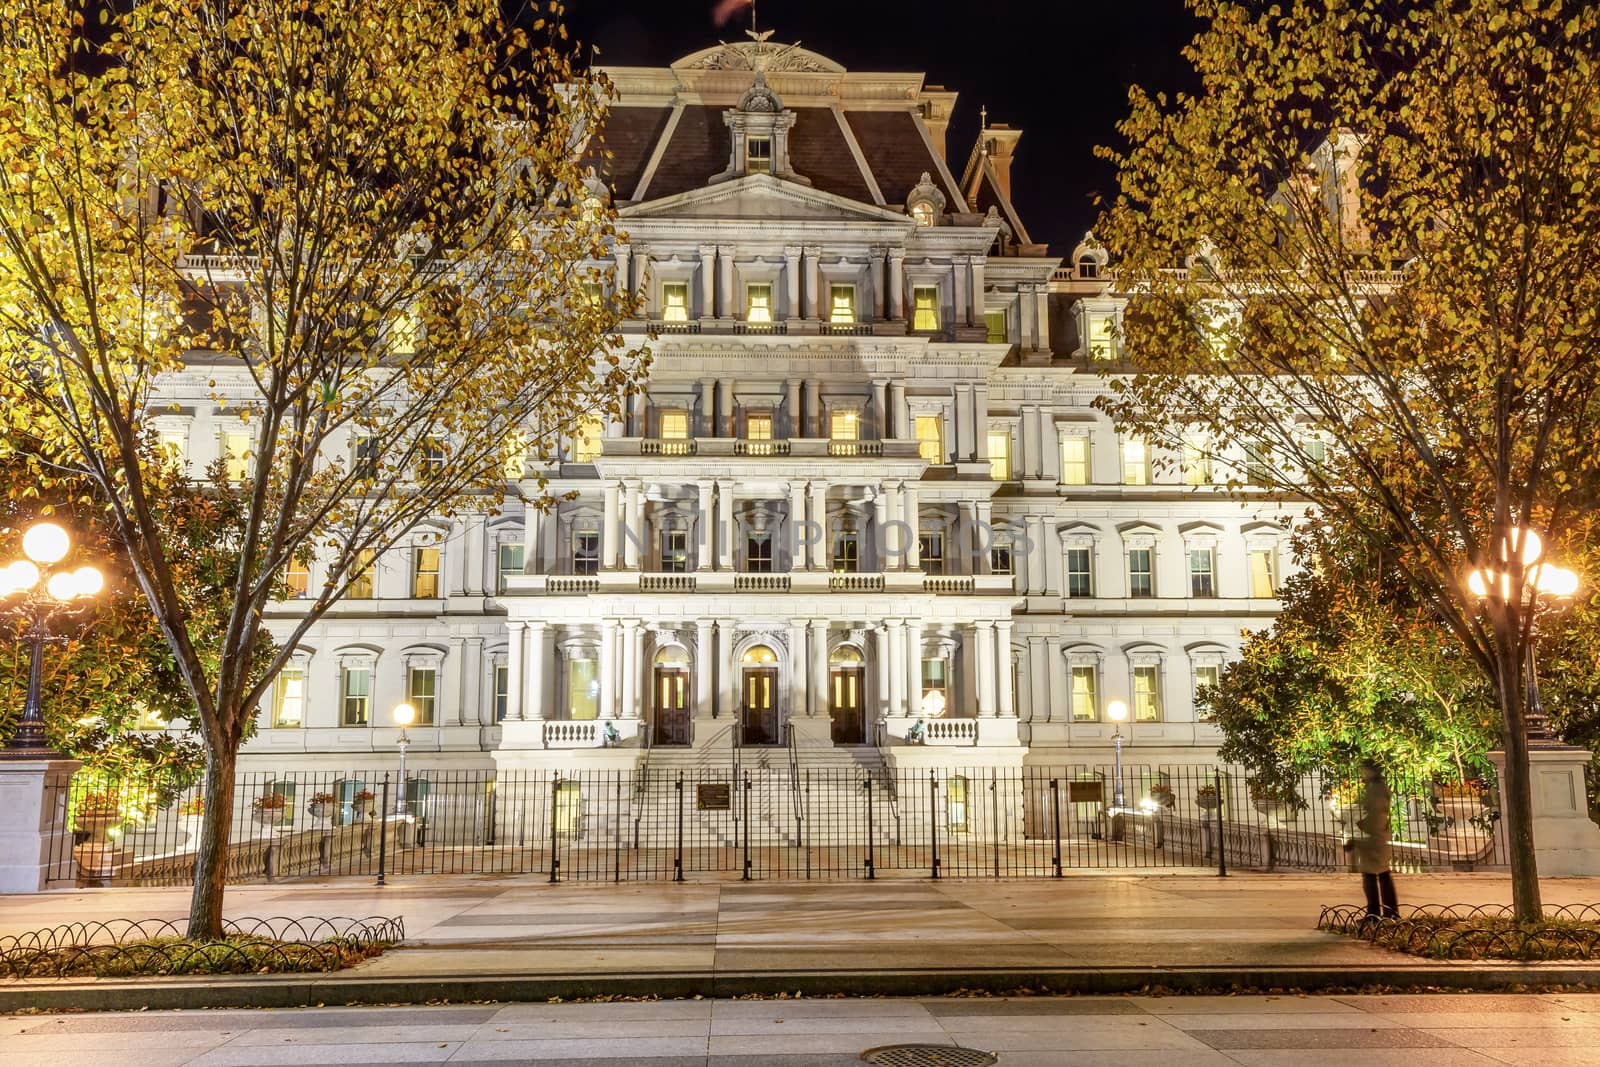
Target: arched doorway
[[759, 707], [670, 689], [846, 683]]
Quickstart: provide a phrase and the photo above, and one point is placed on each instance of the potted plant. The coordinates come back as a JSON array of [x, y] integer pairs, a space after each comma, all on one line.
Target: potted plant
[[269, 808], [96, 813], [1206, 798], [361, 804], [1460, 802], [321, 805], [1162, 796], [1279, 804]]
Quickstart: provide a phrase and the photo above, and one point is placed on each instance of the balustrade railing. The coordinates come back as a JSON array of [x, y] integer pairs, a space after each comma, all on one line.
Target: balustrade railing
[[585, 734], [855, 583], [761, 583], [657, 446], [952, 731], [744, 447], [666, 583], [661, 327], [956, 584], [846, 329], [855, 448], [761, 327], [572, 583]]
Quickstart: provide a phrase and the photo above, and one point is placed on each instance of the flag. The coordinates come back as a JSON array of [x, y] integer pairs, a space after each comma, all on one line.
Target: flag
[[727, 9]]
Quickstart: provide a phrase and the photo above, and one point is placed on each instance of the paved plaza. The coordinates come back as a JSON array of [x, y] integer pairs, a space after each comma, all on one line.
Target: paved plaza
[[1414, 1030]]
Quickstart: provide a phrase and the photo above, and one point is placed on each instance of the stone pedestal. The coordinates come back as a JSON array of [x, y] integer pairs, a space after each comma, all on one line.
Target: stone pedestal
[[35, 844], [812, 731], [1566, 843]]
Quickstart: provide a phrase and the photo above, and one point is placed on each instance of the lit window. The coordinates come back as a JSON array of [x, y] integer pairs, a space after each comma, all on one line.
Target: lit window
[[1074, 461], [1000, 561], [1263, 573], [424, 573], [365, 466], [758, 553], [925, 308], [515, 464], [1102, 336], [583, 689], [502, 691], [930, 552], [149, 718], [758, 303], [404, 332], [922, 212], [431, 461], [593, 295], [1000, 455], [357, 694], [1315, 450], [296, 580], [758, 155], [509, 560], [675, 302], [842, 305], [1257, 464], [1147, 694], [289, 698], [930, 437], [1079, 580], [758, 426], [1135, 461], [674, 424], [936, 678], [422, 685], [1205, 677], [1196, 462], [1085, 702], [361, 586], [675, 551], [586, 442], [236, 456], [1202, 572], [1141, 578], [955, 798], [585, 551], [995, 325], [846, 551], [844, 425], [174, 445]]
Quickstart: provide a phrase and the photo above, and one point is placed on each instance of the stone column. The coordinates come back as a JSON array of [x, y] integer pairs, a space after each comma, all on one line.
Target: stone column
[[725, 305], [474, 538], [880, 518], [1005, 702], [708, 282], [978, 264], [819, 666], [913, 667], [791, 281], [963, 419], [727, 671], [813, 411], [641, 273], [725, 426], [450, 695], [983, 641], [880, 408], [612, 533], [1041, 317], [980, 422], [897, 667], [799, 669], [795, 427], [708, 408], [899, 416], [880, 670], [632, 649], [724, 530], [983, 537], [706, 525], [913, 520], [813, 271], [515, 676], [878, 254], [897, 284], [1025, 324], [623, 255], [638, 416], [962, 287], [471, 708], [704, 699], [35, 844], [635, 532], [893, 536], [533, 540], [797, 517], [1034, 526], [608, 669], [535, 641], [816, 552]]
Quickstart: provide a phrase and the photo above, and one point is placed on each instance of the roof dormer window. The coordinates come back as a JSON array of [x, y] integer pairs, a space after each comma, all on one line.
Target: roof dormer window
[[758, 155], [922, 211], [925, 203]]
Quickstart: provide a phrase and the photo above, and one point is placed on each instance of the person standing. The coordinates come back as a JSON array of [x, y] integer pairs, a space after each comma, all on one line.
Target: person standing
[[1371, 844]]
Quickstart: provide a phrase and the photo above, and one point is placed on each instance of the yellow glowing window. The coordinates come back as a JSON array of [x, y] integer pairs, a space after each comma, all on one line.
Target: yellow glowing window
[[515, 465], [1102, 336], [930, 437], [844, 426], [1147, 694], [1263, 572], [994, 323], [586, 443], [174, 445], [1135, 461], [289, 698], [1205, 677], [296, 580], [1074, 461], [583, 689], [842, 304], [361, 586], [758, 303], [1196, 462], [424, 573], [925, 308], [675, 302], [758, 427], [236, 455], [422, 687], [758, 155], [1084, 705], [675, 424], [404, 332], [1000, 455], [922, 212], [593, 295]]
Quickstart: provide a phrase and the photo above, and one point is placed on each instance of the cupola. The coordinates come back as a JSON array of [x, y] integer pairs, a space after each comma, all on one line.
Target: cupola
[[759, 134]]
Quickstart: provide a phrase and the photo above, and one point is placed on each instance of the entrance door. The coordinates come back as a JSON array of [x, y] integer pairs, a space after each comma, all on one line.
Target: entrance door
[[672, 706], [844, 705], [760, 705]]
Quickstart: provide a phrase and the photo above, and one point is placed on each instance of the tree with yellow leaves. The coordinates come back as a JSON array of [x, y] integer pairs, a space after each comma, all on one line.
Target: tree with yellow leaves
[[363, 227], [1387, 303]]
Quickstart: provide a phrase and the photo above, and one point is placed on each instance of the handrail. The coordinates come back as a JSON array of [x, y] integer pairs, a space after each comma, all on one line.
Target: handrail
[[641, 778], [794, 769], [736, 735], [891, 788]]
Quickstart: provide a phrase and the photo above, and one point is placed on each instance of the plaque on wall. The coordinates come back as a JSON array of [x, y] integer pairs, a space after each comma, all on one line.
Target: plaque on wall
[[1086, 792], [713, 796]]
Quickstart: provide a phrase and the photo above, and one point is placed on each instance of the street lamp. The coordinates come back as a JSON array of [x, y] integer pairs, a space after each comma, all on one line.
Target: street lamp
[[1544, 579], [1117, 712], [34, 590], [404, 715]]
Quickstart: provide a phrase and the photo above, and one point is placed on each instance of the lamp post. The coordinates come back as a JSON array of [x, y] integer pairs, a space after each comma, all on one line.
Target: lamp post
[[36, 591], [1117, 712], [404, 715], [1545, 579]]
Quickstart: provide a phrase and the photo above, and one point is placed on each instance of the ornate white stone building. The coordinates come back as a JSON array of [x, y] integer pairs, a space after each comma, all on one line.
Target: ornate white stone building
[[865, 498]]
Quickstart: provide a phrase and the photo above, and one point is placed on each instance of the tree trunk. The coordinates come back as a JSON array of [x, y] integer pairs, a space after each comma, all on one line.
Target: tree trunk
[[211, 862], [1516, 788]]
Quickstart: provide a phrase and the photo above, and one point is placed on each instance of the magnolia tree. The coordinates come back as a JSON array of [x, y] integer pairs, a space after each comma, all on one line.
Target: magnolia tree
[[1391, 238], [363, 228]]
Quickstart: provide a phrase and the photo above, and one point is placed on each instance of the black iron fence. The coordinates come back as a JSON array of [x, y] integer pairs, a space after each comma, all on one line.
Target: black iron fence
[[759, 822]]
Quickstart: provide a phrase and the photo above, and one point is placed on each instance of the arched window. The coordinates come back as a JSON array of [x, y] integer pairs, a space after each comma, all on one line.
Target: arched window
[[759, 656], [845, 656], [922, 212], [1088, 267]]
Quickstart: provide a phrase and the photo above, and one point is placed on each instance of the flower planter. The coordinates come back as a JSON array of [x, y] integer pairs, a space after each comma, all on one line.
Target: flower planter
[[319, 810], [96, 822], [1206, 801], [269, 816], [1276, 811], [1460, 810]]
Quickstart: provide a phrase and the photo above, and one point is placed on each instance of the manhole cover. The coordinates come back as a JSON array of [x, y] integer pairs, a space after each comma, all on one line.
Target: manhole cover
[[927, 1056]]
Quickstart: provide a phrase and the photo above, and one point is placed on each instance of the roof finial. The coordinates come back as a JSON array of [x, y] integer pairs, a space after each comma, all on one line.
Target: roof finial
[[983, 116]]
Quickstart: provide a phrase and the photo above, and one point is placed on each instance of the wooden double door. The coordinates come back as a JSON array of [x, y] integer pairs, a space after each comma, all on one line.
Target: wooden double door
[[845, 705], [758, 710], [671, 706]]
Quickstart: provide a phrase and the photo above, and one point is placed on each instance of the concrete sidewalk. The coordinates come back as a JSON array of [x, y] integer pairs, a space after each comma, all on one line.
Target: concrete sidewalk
[[506, 938]]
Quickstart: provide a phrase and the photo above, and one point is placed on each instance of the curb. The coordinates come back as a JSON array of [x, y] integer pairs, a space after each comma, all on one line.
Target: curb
[[297, 992]]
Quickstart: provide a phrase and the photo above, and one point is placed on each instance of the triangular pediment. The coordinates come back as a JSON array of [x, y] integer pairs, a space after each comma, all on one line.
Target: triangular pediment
[[761, 196]]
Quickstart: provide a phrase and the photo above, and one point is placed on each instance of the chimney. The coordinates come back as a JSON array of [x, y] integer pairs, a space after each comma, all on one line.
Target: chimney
[[999, 142], [936, 104]]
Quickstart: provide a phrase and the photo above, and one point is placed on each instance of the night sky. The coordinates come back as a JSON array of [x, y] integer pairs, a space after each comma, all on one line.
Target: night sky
[[1058, 69]]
